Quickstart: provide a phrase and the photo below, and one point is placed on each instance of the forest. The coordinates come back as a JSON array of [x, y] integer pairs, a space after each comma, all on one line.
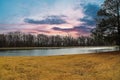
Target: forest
[[19, 39]]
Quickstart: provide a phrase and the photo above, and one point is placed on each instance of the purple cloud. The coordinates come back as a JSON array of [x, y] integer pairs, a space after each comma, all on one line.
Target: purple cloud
[[76, 28], [44, 31], [49, 20]]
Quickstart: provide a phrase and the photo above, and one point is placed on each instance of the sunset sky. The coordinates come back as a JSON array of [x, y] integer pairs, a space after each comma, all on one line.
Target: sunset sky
[[50, 17]]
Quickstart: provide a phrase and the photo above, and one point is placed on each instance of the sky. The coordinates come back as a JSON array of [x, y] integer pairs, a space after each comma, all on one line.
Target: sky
[[49, 17]]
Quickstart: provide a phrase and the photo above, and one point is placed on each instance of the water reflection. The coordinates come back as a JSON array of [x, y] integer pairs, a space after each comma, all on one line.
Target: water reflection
[[60, 51]]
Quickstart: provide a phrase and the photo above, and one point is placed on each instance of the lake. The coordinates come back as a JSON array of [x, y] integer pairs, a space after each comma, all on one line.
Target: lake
[[60, 51]]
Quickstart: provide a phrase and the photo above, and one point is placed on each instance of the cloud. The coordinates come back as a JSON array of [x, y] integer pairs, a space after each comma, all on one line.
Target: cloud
[[35, 31], [73, 16], [44, 31], [90, 10], [49, 20], [88, 22], [61, 29], [76, 29]]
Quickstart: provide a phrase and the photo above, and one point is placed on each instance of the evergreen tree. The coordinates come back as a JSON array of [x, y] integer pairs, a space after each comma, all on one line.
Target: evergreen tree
[[108, 23]]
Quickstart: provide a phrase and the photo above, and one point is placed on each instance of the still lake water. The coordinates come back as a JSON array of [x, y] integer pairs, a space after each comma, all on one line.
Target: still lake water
[[60, 51]]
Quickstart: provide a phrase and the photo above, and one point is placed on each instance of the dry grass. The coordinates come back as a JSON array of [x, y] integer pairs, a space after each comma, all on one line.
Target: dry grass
[[102, 66]]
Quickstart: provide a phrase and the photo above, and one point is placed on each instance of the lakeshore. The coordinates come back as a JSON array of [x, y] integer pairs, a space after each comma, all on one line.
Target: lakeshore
[[30, 48], [50, 51]]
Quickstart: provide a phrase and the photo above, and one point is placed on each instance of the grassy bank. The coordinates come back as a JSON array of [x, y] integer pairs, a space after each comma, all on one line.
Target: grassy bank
[[100, 66], [30, 48]]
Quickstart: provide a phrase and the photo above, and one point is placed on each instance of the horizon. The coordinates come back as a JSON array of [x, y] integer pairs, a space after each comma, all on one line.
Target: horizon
[[49, 17]]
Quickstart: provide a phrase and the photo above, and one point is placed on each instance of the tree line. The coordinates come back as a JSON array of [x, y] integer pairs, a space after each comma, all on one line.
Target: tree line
[[19, 39]]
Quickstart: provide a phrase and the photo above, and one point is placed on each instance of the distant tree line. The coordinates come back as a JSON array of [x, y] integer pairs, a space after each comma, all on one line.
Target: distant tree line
[[19, 39]]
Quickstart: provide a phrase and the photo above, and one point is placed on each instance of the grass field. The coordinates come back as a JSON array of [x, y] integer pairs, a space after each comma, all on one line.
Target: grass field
[[99, 66]]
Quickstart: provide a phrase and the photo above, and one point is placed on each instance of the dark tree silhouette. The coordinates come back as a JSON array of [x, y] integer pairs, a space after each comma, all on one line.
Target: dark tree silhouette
[[108, 23], [19, 39]]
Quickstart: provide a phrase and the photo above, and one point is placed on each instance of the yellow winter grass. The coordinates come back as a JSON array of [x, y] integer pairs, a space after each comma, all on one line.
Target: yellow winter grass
[[99, 66]]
